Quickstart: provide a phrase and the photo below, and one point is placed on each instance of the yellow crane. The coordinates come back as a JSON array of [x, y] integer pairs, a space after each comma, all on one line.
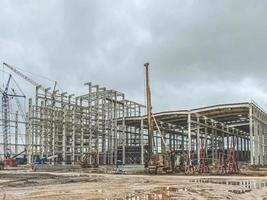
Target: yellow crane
[[158, 163], [149, 113]]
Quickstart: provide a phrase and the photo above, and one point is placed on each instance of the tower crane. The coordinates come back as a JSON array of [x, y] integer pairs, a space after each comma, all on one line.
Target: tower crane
[[6, 116]]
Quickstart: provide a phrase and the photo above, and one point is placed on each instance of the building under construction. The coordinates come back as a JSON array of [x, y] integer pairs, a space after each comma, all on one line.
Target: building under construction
[[103, 121], [111, 129]]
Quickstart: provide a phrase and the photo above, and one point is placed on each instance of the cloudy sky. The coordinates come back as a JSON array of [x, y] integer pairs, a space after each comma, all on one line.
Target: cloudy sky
[[201, 52]]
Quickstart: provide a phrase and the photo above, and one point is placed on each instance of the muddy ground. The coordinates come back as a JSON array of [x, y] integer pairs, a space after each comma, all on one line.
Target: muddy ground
[[16, 184]]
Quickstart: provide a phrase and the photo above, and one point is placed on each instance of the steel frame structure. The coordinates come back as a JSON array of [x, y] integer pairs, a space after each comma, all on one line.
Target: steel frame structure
[[215, 127], [70, 126], [103, 121]]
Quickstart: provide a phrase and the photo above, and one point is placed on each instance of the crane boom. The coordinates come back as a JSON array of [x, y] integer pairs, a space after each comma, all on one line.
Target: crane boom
[[18, 104], [7, 85], [34, 83]]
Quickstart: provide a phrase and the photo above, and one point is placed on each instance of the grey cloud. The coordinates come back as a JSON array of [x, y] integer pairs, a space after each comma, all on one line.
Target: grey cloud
[[201, 52]]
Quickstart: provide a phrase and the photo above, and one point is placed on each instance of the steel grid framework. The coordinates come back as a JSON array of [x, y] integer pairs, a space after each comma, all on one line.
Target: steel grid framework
[[104, 121], [70, 126]]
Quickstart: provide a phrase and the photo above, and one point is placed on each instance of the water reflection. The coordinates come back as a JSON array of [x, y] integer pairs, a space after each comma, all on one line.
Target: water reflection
[[243, 185], [162, 193]]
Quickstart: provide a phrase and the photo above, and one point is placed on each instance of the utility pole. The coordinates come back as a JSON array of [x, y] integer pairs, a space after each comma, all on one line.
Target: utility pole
[[149, 113]]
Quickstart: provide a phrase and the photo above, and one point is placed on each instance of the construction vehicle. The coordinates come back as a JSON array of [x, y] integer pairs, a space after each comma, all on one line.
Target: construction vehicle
[[13, 161], [149, 113], [44, 160], [89, 160], [159, 163]]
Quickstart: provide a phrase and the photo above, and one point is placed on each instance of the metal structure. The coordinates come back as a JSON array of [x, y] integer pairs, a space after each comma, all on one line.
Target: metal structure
[[216, 125], [103, 120], [6, 117], [103, 123], [71, 127], [149, 113], [203, 167]]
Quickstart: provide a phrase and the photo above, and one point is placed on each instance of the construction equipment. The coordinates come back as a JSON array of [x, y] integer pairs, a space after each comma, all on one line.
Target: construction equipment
[[43, 163], [149, 113], [13, 161], [31, 81], [24, 76], [44, 160], [89, 160], [19, 105], [5, 103], [159, 163], [6, 117]]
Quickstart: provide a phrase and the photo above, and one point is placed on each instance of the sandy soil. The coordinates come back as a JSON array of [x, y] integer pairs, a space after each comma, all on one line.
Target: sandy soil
[[37, 185]]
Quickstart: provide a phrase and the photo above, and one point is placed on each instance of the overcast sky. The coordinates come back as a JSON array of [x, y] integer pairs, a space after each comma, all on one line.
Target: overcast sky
[[201, 52]]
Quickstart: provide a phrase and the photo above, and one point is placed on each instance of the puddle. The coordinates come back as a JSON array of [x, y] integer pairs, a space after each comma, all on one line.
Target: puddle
[[161, 193], [242, 186], [240, 191], [173, 192]]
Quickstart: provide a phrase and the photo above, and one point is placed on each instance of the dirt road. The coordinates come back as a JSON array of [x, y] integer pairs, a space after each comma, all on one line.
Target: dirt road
[[33, 185]]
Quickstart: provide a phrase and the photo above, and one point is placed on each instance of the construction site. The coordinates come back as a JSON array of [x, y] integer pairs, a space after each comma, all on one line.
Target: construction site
[[103, 145]]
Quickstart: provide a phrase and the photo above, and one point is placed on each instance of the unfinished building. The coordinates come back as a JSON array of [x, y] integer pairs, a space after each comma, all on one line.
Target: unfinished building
[[218, 128], [113, 130], [70, 126], [103, 121]]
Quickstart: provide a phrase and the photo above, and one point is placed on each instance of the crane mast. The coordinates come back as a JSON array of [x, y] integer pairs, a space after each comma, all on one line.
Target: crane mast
[[6, 116], [149, 113]]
